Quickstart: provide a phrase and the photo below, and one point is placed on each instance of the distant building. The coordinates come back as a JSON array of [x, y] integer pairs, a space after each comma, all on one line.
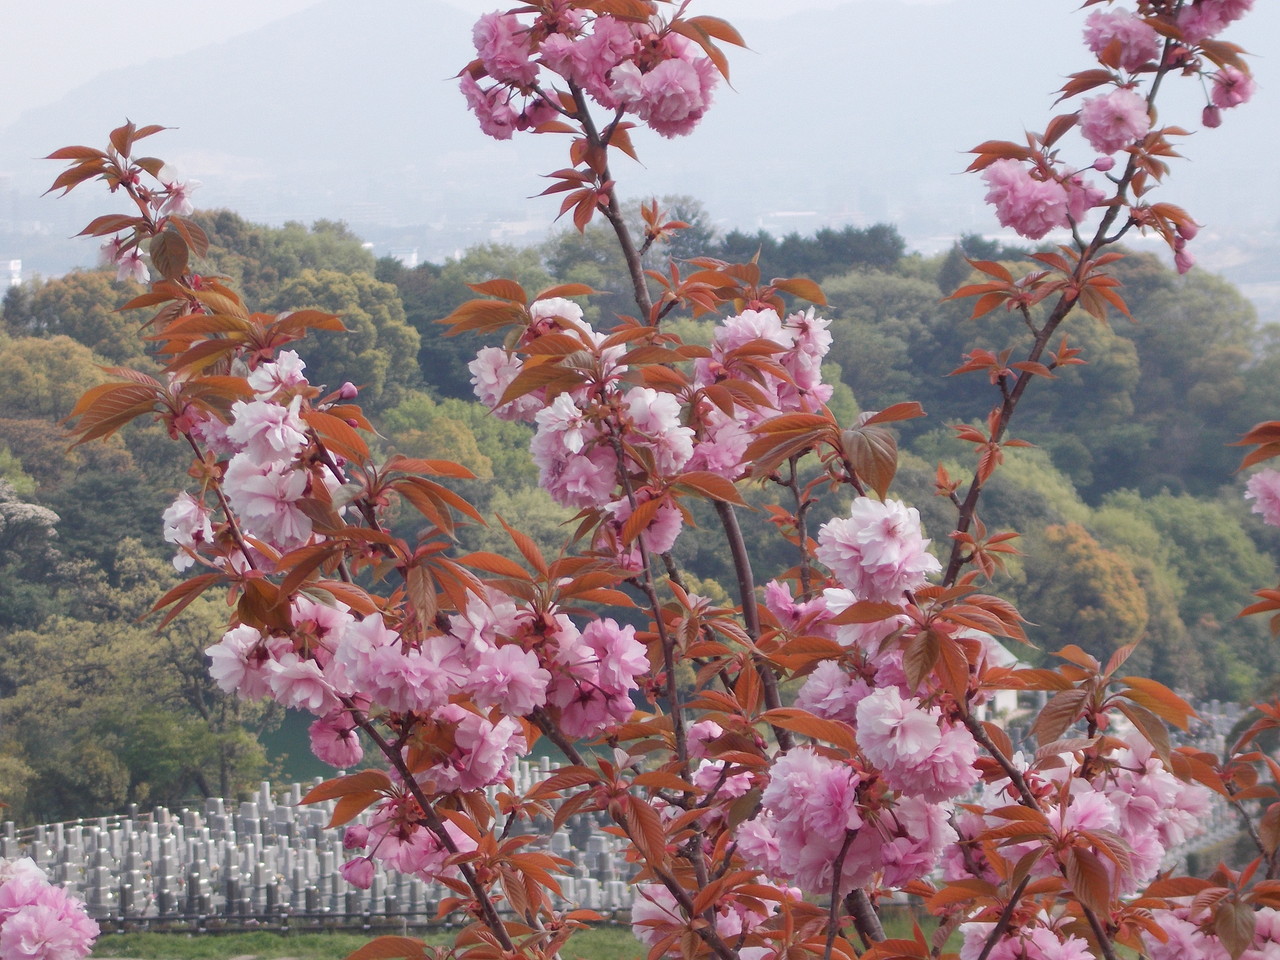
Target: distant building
[[15, 272]]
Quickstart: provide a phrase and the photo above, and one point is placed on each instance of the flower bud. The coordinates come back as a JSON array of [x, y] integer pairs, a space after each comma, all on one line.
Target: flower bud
[[358, 872], [1212, 117], [348, 391], [1103, 164]]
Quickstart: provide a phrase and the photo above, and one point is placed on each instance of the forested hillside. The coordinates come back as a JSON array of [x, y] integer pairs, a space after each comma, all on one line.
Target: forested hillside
[[1133, 524]]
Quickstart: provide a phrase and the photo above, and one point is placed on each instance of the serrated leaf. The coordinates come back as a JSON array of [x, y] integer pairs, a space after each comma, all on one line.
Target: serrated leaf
[[1234, 922], [1062, 710], [873, 451], [501, 288], [1089, 879], [710, 485], [800, 721], [364, 781]]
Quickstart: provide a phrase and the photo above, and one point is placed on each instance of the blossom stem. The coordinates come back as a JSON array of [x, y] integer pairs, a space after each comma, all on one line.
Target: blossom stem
[[833, 915], [611, 209], [433, 823], [751, 612], [1002, 924], [865, 919]]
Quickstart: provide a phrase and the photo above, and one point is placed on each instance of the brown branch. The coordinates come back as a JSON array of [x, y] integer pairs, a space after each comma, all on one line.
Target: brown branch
[[751, 611], [1002, 924], [865, 919]]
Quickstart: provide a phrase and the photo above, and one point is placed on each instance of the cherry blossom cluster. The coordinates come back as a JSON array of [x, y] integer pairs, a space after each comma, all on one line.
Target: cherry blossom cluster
[[1134, 798], [1038, 942], [656, 915], [1035, 193], [1188, 935], [172, 198], [268, 468], [591, 436], [802, 341], [463, 689], [38, 921], [1263, 489], [641, 69]]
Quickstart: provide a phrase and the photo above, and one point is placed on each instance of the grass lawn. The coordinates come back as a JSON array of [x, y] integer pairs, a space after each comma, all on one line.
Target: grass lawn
[[598, 943]]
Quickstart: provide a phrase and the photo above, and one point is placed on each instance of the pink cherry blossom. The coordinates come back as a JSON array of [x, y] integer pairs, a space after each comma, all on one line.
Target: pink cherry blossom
[[492, 372], [658, 536], [38, 932], [1114, 120], [239, 661], [1183, 939], [674, 95], [267, 431], [813, 802], [619, 657], [1030, 206], [484, 751], [1263, 489], [586, 479], [894, 732], [915, 832], [264, 496], [40, 921], [131, 266], [564, 426], [414, 679], [283, 373], [335, 741], [918, 753], [878, 550], [1082, 196], [492, 108], [503, 44], [1139, 42], [720, 443], [358, 872], [318, 626], [355, 837], [831, 693], [1203, 19], [655, 417], [299, 684], [1231, 87], [557, 308], [510, 678], [187, 524]]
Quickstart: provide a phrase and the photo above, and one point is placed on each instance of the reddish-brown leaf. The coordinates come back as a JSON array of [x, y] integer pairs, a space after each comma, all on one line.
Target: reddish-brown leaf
[[364, 781], [391, 948], [800, 721], [501, 288]]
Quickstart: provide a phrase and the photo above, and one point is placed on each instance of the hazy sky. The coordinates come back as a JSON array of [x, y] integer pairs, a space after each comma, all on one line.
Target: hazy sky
[[49, 49]]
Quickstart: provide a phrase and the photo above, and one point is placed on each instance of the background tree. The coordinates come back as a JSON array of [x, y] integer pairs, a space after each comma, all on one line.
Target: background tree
[[379, 348], [259, 258]]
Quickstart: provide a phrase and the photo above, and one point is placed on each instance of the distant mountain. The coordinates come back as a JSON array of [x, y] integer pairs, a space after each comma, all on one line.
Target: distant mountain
[[349, 112]]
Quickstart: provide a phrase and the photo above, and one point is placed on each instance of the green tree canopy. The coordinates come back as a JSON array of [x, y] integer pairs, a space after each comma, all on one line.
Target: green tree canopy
[[377, 352], [258, 258]]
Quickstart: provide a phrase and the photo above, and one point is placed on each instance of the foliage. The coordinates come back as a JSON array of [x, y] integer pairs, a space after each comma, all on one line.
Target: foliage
[[376, 349], [258, 258], [93, 670]]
